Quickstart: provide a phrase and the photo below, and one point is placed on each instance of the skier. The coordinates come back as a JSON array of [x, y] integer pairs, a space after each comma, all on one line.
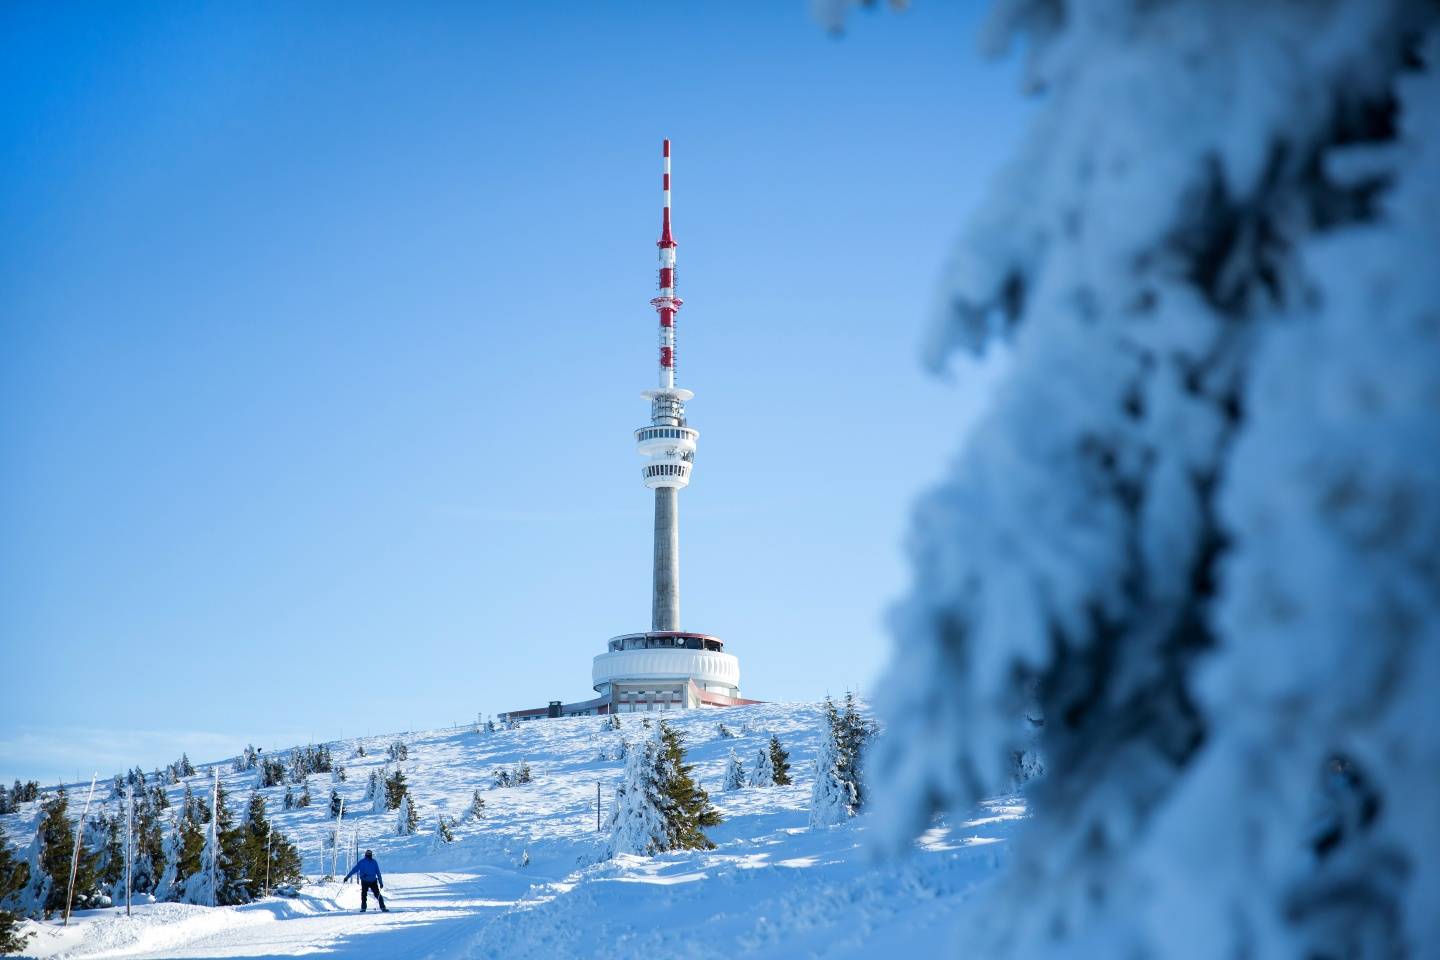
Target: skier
[[370, 880]]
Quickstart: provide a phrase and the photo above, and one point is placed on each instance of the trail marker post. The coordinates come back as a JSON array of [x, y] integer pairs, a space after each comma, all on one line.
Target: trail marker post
[[75, 851], [215, 837], [129, 843]]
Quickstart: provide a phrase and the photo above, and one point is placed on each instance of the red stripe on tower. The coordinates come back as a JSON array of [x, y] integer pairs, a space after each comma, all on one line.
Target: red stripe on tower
[[666, 304]]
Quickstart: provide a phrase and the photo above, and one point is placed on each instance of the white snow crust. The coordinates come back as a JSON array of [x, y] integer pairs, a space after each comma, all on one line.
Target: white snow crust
[[771, 888]]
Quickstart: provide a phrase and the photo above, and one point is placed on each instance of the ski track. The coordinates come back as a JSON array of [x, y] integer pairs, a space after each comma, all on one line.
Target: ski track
[[772, 888]]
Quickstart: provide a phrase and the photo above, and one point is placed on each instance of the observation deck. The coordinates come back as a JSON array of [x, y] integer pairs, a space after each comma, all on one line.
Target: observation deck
[[662, 658], [667, 444]]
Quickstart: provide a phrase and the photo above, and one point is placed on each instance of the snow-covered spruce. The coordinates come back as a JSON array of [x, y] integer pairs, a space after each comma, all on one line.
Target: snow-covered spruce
[[734, 773], [1196, 523], [12, 880], [443, 834], [659, 806], [407, 818], [31, 899], [779, 762], [838, 792], [762, 770], [637, 819]]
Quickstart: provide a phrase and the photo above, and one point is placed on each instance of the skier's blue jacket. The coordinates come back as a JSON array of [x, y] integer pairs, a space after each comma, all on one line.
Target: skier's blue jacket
[[368, 868]]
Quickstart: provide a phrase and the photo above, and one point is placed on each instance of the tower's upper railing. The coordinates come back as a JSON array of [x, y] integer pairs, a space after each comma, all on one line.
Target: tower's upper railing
[[665, 640]]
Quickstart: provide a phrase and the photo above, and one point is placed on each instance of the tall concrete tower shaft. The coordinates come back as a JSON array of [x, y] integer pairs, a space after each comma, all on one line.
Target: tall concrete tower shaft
[[668, 443]]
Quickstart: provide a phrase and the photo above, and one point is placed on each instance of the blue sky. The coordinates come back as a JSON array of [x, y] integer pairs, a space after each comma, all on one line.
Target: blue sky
[[325, 325]]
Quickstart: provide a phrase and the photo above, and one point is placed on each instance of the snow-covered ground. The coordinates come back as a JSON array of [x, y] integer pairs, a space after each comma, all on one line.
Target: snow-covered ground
[[530, 880]]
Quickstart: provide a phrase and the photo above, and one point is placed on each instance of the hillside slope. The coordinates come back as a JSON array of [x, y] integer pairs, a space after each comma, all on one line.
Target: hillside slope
[[530, 879]]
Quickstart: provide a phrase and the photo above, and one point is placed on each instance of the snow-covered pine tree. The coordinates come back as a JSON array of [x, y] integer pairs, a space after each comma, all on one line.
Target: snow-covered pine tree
[[189, 806], [220, 876], [734, 773], [855, 735], [184, 850], [255, 829], [837, 793], [171, 851], [830, 801], [7, 805], [201, 885], [687, 811], [376, 793], [272, 772], [288, 801], [724, 732], [12, 882], [234, 869], [762, 770], [612, 722], [34, 893], [637, 818], [304, 800], [444, 832], [372, 784], [148, 857], [258, 838], [477, 806], [406, 818], [523, 774], [334, 804], [104, 839], [780, 761], [1197, 519], [395, 790], [57, 848], [500, 778]]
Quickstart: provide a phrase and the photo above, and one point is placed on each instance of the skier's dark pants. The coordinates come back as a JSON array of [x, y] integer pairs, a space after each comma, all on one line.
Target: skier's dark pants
[[370, 886]]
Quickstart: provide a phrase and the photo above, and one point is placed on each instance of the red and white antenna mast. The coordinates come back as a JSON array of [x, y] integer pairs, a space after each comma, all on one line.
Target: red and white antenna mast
[[667, 304]]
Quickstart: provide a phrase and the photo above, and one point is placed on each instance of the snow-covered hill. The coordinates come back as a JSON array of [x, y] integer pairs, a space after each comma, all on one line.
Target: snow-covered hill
[[529, 880]]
